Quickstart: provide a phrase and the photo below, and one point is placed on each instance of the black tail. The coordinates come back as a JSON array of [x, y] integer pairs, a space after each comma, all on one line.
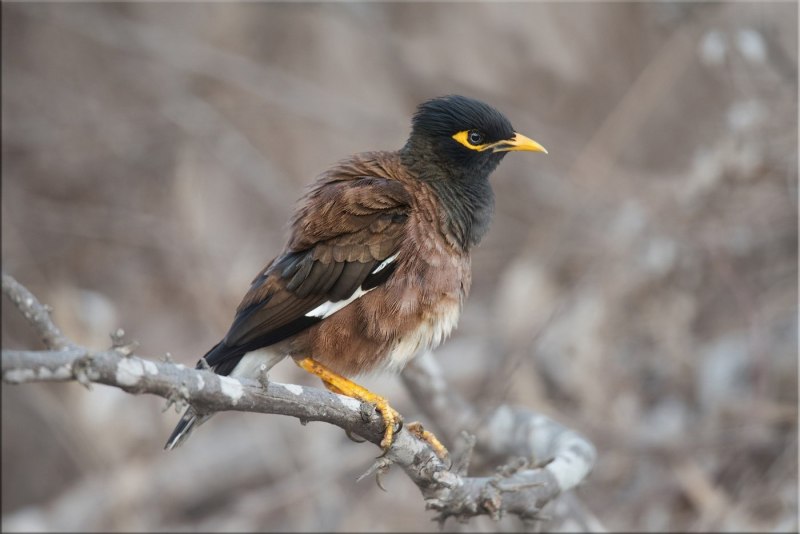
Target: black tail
[[188, 422], [223, 360], [190, 419]]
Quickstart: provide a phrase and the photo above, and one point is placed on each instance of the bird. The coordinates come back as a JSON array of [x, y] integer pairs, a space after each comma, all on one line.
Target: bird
[[376, 268]]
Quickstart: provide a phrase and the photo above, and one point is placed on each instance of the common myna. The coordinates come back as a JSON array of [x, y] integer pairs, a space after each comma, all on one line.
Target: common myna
[[377, 265]]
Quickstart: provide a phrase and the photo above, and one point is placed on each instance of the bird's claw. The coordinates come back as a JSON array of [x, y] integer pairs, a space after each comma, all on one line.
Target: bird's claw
[[353, 438]]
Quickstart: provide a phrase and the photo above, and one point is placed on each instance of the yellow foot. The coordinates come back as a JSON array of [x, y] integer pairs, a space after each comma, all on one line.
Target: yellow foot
[[440, 450], [343, 386]]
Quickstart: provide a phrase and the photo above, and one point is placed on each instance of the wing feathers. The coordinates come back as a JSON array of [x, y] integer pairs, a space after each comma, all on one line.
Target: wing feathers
[[304, 267], [345, 230]]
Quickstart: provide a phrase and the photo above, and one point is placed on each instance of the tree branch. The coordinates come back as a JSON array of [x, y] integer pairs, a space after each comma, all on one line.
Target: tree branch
[[543, 451], [521, 489], [36, 313]]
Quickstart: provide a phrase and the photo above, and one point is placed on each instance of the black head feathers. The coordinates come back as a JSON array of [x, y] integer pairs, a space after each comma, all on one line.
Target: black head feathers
[[448, 115]]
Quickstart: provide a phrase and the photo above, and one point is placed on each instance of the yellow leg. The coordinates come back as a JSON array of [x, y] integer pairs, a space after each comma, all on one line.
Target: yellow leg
[[343, 386], [417, 429]]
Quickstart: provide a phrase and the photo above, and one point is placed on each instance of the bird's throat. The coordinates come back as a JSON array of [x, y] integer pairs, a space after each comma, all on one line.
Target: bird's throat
[[464, 192], [468, 207]]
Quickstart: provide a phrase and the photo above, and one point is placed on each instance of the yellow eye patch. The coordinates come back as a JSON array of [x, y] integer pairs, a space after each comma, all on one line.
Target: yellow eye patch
[[463, 138], [518, 142]]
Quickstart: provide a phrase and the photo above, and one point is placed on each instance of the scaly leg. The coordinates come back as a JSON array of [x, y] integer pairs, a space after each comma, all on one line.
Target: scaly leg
[[428, 437], [343, 386]]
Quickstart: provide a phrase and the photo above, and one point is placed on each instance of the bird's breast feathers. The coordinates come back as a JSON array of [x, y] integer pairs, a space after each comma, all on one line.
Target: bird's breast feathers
[[430, 332], [384, 328]]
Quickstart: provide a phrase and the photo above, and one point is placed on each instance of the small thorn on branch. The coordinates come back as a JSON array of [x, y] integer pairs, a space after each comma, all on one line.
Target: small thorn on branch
[[118, 343], [80, 368], [434, 504], [380, 467], [491, 501], [512, 467], [178, 397], [543, 463], [117, 338]]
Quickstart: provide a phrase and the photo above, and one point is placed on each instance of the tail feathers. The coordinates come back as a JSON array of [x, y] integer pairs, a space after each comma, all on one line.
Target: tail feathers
[[249, 365], [188, 422]]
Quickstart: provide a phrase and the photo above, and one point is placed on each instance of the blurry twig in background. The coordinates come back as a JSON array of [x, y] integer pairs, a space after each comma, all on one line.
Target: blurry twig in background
[[552, 459], [651, 86]]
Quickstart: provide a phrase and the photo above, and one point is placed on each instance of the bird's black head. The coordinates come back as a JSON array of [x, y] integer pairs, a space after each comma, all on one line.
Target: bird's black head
[[455, 144], [463, 137]]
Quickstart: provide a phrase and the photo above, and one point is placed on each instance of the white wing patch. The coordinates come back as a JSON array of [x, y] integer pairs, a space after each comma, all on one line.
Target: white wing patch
[[326, 309], [384, 263]]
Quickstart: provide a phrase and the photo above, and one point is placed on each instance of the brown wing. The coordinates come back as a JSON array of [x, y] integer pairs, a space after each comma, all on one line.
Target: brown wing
[[342, 237]]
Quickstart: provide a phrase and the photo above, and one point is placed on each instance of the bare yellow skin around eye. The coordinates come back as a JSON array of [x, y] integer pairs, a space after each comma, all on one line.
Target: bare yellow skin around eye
[[518, 142], [463, 138]]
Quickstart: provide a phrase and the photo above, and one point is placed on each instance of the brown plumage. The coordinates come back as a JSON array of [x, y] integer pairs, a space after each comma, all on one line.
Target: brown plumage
[[377, 264], [388, 214]]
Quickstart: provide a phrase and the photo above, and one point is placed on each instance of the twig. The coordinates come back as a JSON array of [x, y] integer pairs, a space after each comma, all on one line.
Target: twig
[[522, 491], [37, 314], [562, 458]]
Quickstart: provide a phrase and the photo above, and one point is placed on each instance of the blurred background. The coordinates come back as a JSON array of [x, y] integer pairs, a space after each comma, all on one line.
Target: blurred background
[[639, 283]]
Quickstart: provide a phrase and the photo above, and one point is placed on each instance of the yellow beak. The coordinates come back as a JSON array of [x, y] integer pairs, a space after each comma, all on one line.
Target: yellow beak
[[518, 142]]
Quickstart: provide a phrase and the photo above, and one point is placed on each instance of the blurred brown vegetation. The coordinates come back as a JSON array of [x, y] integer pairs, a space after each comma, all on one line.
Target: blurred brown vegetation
[[639, 284]]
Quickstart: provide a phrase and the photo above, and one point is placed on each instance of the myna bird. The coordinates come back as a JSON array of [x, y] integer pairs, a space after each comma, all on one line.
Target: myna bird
[[377, 265]]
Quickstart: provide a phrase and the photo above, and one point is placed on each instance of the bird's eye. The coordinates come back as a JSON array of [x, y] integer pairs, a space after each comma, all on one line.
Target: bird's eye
[[475, 137]]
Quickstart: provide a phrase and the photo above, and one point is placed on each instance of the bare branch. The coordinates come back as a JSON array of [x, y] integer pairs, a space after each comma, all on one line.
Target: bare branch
[[37, 314], [521, 489], [554, 458]]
